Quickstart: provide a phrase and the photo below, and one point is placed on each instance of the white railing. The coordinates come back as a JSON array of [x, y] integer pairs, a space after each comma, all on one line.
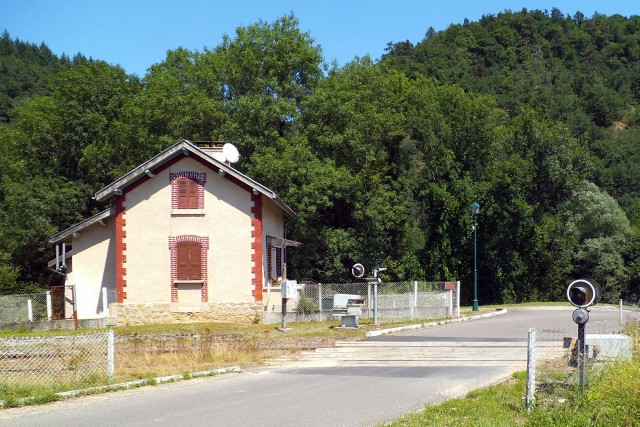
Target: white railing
[[395, 301]]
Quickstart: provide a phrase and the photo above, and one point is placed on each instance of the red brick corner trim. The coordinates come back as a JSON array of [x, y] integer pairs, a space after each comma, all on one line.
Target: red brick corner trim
[[204, 247], [256, 246]]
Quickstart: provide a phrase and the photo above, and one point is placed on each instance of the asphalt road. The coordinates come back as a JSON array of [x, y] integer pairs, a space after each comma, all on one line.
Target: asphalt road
[[354, 384]]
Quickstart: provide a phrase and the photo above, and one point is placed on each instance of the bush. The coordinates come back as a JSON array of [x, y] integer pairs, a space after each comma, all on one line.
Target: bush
[[306, 306]]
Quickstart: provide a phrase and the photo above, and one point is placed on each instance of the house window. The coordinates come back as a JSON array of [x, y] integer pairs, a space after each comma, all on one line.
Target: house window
[[187, 193], [189, 265], [274, 260], [187, 190], [189, 261]]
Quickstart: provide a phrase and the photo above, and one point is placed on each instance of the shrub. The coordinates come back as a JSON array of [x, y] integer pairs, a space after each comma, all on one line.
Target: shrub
[[306, 306]]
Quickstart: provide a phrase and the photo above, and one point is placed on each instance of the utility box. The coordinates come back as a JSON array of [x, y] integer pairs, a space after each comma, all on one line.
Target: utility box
[[608, 347], [348, 307], [289, 289]]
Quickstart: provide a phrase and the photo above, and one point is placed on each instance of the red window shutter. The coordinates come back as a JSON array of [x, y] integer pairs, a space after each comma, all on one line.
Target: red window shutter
[[187, 194], [194, 261], [189, 263], [183, 261], [192, 194]]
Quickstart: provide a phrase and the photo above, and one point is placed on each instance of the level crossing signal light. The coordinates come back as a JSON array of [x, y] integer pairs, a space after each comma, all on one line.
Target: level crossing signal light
[[584, 293], [357, 270]]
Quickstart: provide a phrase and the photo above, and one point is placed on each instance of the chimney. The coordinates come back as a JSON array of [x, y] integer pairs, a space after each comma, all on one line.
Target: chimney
[[212, 148]]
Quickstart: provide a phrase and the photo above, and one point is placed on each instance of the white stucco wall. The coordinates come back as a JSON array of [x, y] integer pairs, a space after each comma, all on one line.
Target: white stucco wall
[[226, 221], [93, 268]]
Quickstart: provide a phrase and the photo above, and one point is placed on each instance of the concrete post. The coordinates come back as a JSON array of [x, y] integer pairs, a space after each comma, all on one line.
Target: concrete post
[[458, 298], [620, 320], [111, 351], [49, 306], [531, 369], [375, 304], [105, 303], [30, 310]]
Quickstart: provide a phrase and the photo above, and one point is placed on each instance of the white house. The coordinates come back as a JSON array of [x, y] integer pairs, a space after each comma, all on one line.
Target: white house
[[187, 238]]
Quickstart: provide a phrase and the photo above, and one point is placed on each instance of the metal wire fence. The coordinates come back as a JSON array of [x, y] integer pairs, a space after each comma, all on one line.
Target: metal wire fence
[[48, 360], [557, 367], [24, 308], [396, 301], [55, 305]]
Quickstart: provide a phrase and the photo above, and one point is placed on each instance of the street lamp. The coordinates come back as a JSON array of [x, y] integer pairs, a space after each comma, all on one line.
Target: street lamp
[[475, 209]]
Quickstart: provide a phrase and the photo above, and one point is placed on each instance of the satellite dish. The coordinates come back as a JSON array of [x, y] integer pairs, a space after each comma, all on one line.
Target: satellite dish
[[230, 153], [357, 270]]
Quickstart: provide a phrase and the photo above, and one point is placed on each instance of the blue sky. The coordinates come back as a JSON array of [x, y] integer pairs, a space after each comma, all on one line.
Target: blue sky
[[137, 34]]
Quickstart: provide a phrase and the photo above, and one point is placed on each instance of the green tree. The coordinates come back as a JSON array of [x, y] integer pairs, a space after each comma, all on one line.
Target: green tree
[[181, 99], [354, 120], [604, 236], [264, 73], [79, 132], [25, 70]]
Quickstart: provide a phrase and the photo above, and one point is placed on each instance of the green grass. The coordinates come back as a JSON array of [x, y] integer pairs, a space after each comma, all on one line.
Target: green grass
[[494, 406], [611, 399], [13, 394]]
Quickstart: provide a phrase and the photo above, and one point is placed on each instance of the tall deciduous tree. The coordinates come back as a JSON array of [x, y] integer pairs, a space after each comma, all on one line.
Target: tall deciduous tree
[[264, 72]]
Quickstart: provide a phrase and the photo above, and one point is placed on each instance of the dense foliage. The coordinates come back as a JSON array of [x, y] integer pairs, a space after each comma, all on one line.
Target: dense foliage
[[380, 160]]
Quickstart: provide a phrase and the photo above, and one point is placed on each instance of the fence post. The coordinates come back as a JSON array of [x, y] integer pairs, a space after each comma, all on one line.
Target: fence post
[[531, 369], [415, 293], [411, 309], [412, 301], [375, 303], [30, 310], [75, 306], [105, 303], [320, 299], [458, 298], [621, 323], [368, 300], [49, 307], [111, 360]]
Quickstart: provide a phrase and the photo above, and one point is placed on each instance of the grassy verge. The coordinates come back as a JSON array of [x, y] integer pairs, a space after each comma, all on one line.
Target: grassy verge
[[611, 399], [495, 406], [150, 351]]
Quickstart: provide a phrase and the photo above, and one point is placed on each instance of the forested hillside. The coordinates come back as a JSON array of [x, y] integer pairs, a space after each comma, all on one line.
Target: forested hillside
[[380, 159], [25, 69], [584, 73]]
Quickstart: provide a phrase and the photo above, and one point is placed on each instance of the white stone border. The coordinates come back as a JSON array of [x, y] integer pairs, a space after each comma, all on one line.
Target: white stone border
[[132, 384], [498, 312]]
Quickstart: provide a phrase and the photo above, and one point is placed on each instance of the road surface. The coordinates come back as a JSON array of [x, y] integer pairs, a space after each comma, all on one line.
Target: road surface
[[354, 384]]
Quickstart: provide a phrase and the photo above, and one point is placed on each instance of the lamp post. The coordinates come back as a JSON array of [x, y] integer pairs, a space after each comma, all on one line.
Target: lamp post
[[475, 209]]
